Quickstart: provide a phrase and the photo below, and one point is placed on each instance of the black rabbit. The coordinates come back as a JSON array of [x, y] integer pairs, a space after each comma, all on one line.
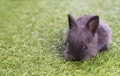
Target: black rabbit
[[85, 37]]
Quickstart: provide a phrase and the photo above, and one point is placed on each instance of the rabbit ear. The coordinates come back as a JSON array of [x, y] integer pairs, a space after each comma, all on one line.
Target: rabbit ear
[[93, 24], [71, 21]]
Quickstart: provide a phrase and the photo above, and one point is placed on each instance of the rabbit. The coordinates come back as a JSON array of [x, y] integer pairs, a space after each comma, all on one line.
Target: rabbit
[[85, 37]]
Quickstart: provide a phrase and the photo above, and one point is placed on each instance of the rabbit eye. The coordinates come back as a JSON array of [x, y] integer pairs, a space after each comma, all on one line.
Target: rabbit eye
[[85, 47]]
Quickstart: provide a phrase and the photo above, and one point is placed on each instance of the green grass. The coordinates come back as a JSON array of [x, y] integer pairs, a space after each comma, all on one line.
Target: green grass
[[32, 38]]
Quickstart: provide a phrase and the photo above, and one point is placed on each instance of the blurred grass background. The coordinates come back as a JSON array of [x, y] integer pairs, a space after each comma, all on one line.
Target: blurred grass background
[[32, 38]]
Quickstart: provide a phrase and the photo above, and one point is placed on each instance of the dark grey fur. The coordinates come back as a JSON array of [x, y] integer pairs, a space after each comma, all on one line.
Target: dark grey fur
[[85, 37]]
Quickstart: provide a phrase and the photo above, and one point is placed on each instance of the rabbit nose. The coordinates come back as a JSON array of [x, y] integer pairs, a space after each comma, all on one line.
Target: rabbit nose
[[78, 59]]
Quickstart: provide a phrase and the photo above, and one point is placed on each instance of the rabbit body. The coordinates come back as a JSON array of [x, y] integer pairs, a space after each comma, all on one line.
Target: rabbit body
[[85, 37]]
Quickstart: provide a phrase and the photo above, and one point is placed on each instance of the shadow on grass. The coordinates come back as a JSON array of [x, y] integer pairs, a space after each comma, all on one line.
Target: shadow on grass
[[58, 44]]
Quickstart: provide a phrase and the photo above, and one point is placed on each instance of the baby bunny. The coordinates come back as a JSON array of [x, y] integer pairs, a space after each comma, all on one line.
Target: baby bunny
[[85, 37]]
